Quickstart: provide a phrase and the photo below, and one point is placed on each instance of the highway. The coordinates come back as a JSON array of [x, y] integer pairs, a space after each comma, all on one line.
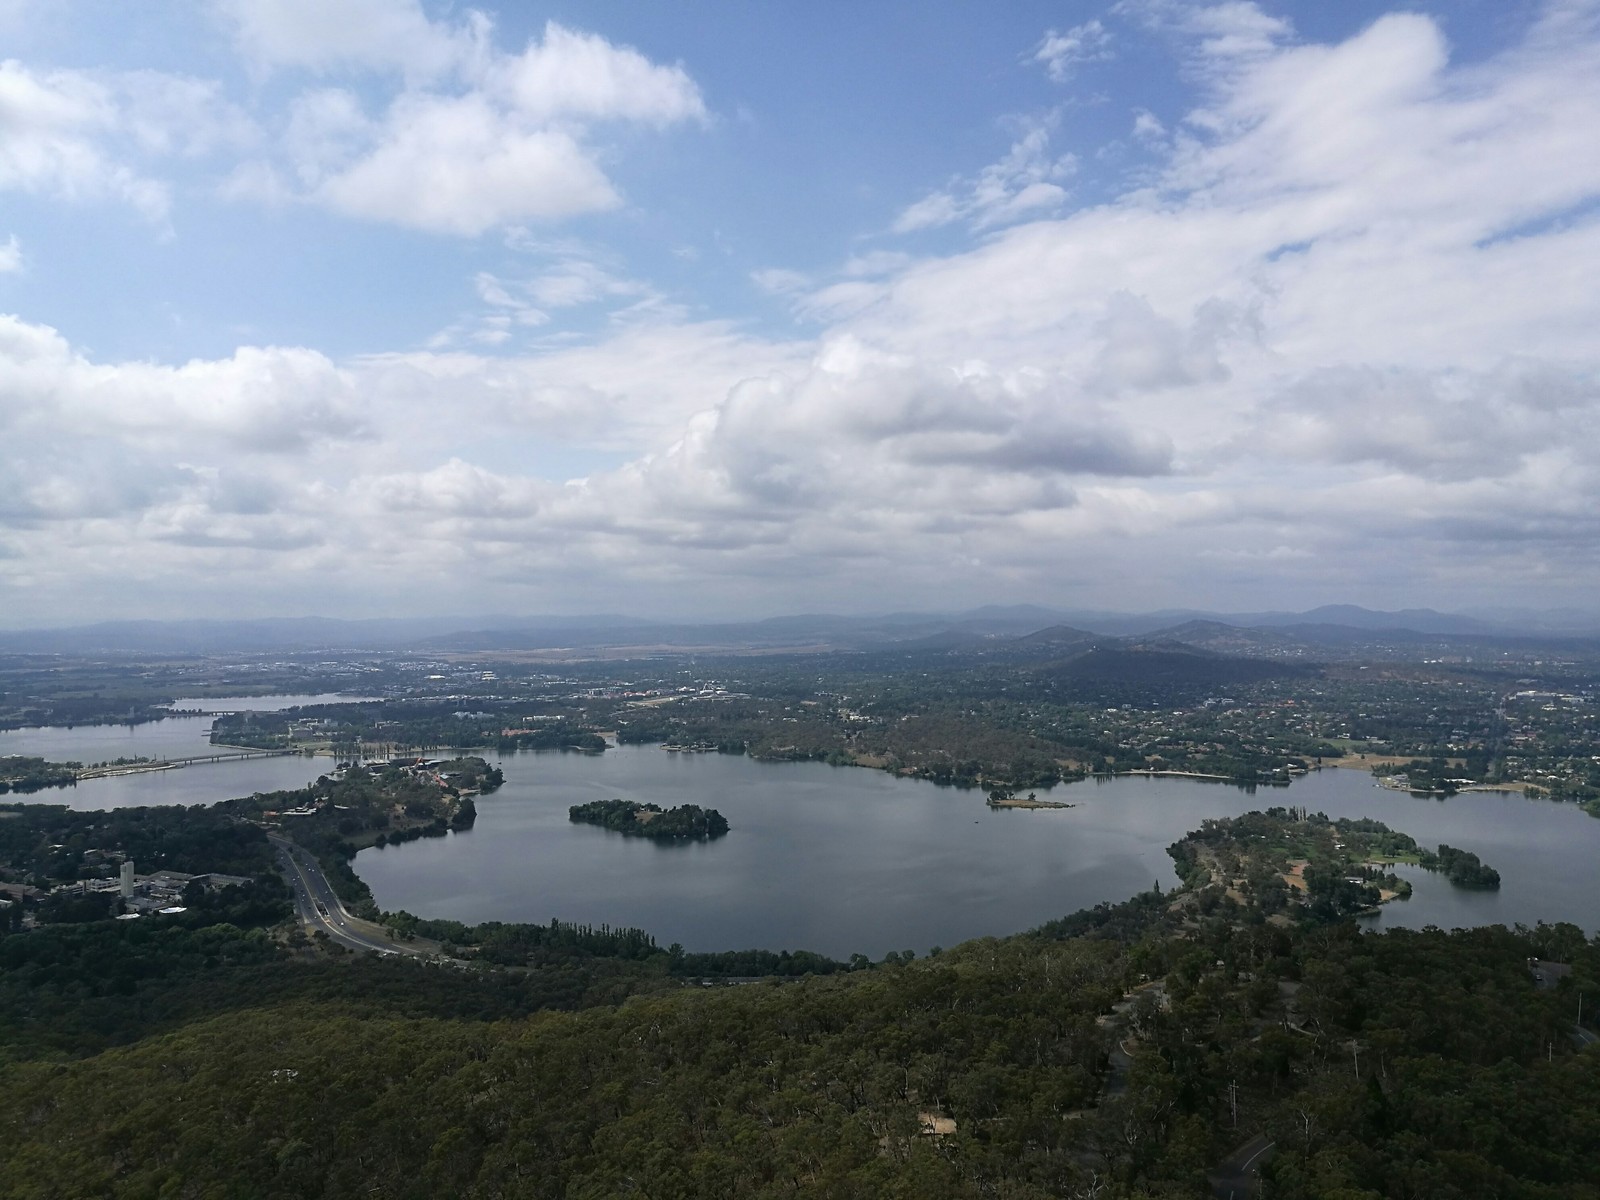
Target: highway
[[319, 908]]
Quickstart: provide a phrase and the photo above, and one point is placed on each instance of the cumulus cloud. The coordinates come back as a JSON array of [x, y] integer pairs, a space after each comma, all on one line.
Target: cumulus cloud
[[581, 75], [258, 401], [458, 165], [85, 136], [475, 138]]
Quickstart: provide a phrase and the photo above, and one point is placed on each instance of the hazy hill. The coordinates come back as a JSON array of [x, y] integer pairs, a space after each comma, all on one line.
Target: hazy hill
[[1262, 634], [1060, 635], [1221, 638], [1151, 664]]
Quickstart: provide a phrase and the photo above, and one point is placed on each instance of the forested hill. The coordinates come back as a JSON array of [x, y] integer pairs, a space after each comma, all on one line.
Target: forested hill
[[984, 1071]]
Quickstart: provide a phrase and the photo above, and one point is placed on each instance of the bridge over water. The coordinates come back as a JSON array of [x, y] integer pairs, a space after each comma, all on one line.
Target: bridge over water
[[164, 764]]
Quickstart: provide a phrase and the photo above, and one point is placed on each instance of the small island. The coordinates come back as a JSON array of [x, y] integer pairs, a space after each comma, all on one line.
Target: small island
[[1004, 798], [1461, 867], [686, 823]]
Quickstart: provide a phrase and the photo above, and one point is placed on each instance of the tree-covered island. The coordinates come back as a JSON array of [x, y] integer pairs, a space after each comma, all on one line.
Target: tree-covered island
[[1287, 861], [685, 823], [1462, 868]]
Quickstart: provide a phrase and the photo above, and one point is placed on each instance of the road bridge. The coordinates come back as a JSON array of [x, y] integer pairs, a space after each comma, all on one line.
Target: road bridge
[[167, 764]]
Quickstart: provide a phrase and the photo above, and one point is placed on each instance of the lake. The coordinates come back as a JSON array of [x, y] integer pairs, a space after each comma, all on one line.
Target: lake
[[837, 859], [175, 737], [841, 859]]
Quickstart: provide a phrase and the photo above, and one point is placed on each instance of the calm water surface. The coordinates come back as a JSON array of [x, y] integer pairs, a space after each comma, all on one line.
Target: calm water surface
[[175, 737], [840, 859]]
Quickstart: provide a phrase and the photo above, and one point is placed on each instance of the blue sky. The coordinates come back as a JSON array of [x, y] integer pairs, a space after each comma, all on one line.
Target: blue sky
[[370, 306]]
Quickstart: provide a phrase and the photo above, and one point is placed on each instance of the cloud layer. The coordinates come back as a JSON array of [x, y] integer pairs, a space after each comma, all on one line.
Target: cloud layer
[[1336, 342]]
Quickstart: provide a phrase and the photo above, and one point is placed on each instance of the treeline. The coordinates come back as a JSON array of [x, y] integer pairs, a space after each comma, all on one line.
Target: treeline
[[408, 723], [93, 709], [1436, 776], [563, 943], [683, 823], [73, 990], [555, 736], [984, 727]]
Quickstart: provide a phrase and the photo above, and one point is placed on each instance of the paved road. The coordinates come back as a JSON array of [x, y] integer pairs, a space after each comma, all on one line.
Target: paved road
[[317, 905], [1236, 1176]]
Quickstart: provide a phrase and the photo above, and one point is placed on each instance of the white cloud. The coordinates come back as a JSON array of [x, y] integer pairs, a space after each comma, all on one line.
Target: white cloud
[[579, 75], [578, 281], [326, 35], [53, 130], [1222, 36], [1022, 185], [1437, 425], [1062, 53], [456, 165], [260, 400], [1234, 30], [572, 281], [475, 140], [91, 137], [1147, 127], [11, 256]]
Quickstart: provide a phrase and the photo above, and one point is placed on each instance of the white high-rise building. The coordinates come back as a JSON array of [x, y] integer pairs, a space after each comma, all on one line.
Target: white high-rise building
[[127, 877]]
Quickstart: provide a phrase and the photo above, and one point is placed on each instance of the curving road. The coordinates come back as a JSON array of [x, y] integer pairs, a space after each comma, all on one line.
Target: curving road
[[1238, 1175], [320, 909]]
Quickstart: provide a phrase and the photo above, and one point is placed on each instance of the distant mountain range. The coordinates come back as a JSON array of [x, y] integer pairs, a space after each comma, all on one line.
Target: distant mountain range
[[1272, 633]]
